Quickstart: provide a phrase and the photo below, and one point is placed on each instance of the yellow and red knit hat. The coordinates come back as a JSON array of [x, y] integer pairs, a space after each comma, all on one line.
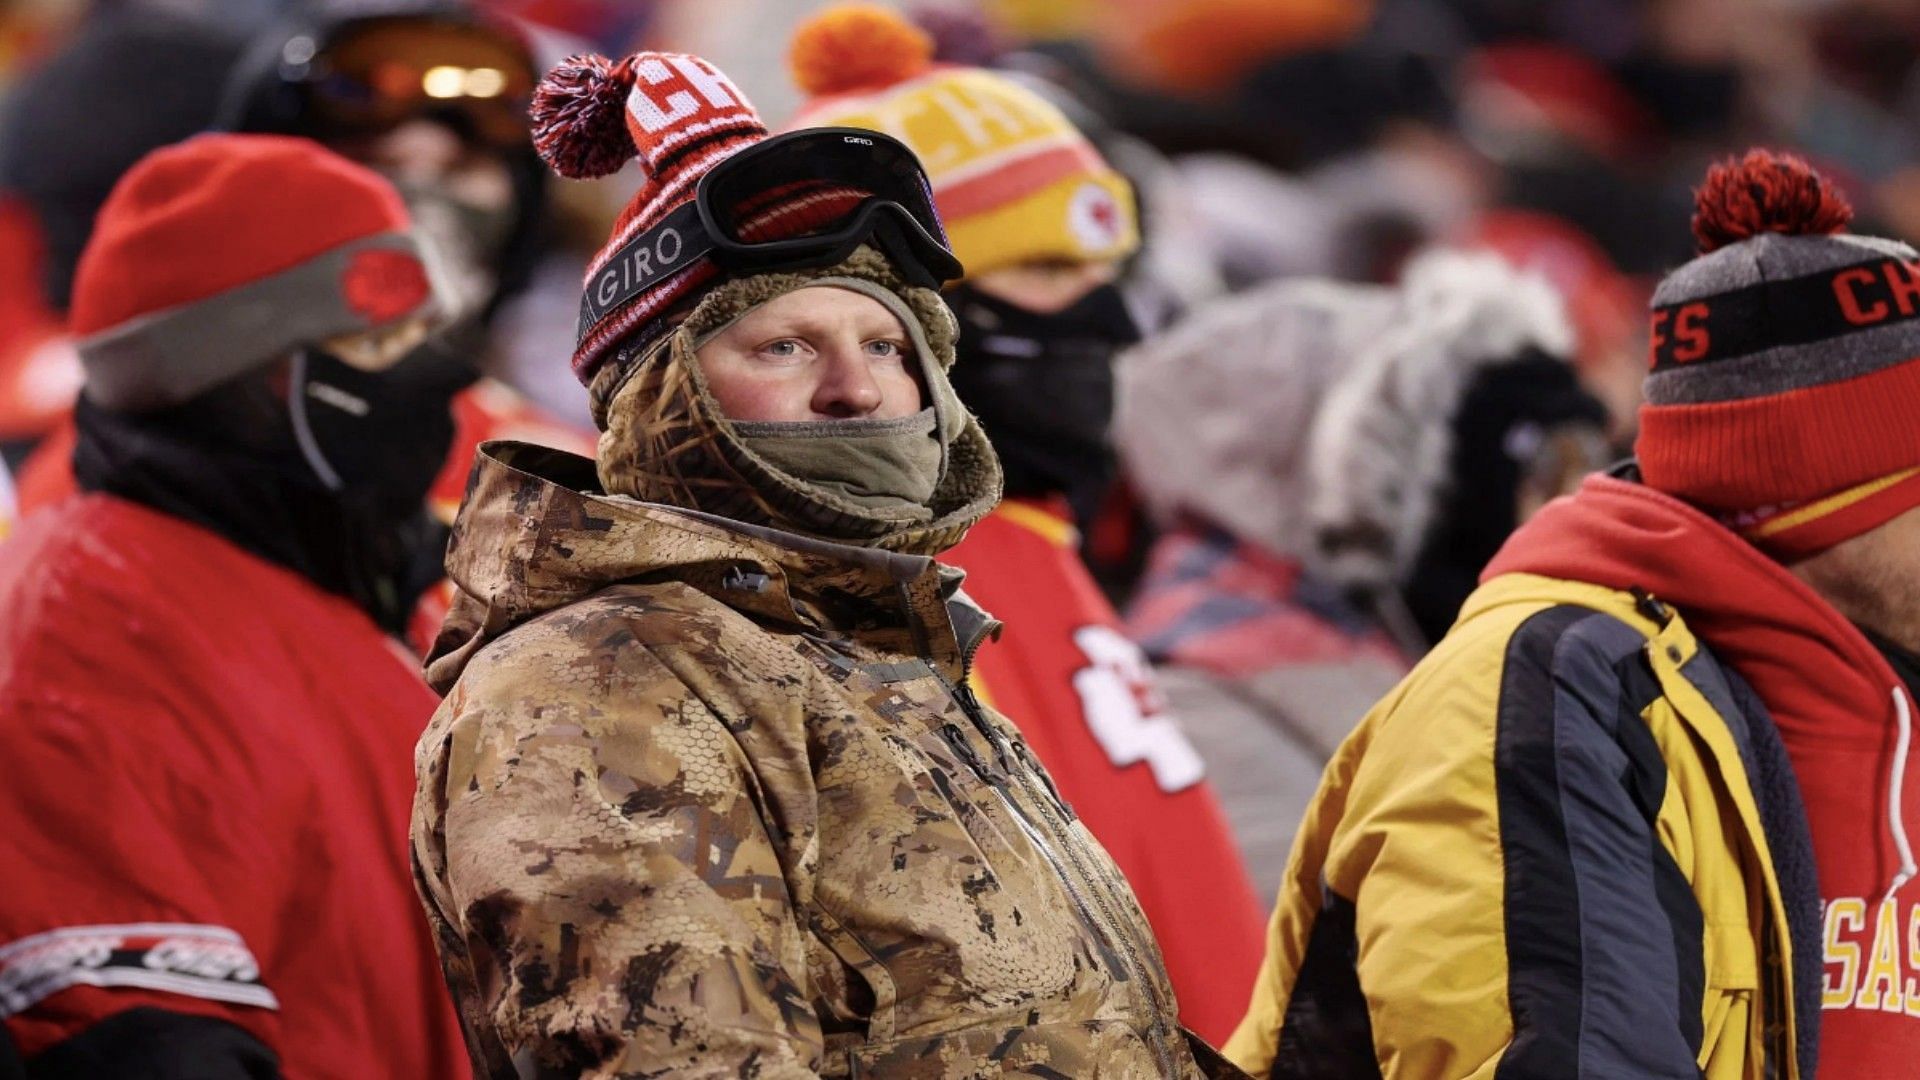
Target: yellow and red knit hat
[[1013, 179], [1785, 364]]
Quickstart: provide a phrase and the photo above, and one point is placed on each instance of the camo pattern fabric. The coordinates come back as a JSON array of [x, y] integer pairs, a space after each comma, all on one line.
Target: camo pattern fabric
[[704, 800]]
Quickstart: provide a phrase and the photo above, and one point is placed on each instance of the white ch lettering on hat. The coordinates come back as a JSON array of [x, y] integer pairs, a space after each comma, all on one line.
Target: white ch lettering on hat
[[655, 116]]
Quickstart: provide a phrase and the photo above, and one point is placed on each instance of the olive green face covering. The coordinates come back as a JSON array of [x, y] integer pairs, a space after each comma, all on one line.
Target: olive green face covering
[[873, 463], [880, 465]]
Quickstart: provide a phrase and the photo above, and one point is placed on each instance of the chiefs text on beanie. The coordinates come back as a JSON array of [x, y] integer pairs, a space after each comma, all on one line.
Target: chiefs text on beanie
[[678, 116], [1785, 364]]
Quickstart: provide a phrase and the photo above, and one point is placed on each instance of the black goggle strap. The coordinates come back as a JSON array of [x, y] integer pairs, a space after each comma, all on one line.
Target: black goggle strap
[[677, 242], [681, 239], [890, 234]]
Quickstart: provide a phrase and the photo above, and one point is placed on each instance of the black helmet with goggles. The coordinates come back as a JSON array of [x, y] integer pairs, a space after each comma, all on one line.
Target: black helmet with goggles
[[347, 77]]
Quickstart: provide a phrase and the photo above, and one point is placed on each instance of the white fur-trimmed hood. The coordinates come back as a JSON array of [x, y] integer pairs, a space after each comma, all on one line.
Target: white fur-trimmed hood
[[1313, 417]]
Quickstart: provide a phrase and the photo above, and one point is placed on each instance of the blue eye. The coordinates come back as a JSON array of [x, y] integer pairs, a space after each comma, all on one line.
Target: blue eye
[[890, 349], [783, 347]]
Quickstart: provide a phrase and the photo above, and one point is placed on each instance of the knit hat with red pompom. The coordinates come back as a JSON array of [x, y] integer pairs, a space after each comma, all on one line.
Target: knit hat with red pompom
[[679, 116], [222, 253], [1785, 364], [1013, 179]]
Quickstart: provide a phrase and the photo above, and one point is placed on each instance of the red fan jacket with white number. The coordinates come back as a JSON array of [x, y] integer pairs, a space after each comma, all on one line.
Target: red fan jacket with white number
[[1084, 697], [203, 803]]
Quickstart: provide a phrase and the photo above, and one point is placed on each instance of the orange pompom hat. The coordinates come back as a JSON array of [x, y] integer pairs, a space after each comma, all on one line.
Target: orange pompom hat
[[1013, 179], [857, 47]]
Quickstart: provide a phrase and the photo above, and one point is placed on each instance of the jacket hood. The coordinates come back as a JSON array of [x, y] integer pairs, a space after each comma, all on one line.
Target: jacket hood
[[667, 440], [1818, 674], [1314, 418], [534, 535]]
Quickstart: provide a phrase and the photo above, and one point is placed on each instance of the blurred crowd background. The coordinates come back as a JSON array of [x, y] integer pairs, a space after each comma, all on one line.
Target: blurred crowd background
[[1333, 416], [1268, 138]]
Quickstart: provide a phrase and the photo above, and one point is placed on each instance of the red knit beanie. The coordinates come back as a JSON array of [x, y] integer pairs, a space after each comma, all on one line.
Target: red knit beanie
[[222, 253], [1785, 364], [680, 117]]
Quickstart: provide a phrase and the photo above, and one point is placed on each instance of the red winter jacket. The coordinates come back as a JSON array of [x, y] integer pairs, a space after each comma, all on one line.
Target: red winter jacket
[[203, 801], [1083, 696], [485, 411]]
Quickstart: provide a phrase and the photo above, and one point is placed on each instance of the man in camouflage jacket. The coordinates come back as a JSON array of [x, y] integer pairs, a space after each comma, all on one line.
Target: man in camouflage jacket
[[709, 794]]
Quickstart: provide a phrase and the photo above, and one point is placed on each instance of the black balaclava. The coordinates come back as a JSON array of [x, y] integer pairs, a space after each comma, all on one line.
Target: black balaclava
[[1042, 388], [311, 464], [1507, 411]]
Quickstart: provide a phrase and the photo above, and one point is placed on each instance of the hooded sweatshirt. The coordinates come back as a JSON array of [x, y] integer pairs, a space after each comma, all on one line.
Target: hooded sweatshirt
[[1843, 714]]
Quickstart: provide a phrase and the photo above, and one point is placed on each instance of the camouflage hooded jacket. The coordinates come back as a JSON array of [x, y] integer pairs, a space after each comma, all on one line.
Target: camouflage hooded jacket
[[706, 799]]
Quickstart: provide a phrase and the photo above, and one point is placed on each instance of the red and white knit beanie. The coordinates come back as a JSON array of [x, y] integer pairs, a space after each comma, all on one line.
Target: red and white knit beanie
[[679, 116]]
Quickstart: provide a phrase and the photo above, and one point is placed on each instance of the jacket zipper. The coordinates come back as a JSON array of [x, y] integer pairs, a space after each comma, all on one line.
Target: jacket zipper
[[1104, 933], [1107, 929]]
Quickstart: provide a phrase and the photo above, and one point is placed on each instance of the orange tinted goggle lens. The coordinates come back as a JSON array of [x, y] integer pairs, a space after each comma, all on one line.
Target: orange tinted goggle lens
[[378, 76]]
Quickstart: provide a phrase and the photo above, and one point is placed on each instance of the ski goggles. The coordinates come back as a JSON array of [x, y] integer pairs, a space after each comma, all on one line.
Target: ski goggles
[[374, 74], [801, 200]]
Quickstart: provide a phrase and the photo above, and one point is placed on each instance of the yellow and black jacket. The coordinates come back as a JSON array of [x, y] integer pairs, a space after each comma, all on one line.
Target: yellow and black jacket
[[1560, 848]]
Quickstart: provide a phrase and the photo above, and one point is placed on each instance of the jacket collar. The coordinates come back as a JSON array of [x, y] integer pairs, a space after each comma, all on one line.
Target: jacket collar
[[534, 535]]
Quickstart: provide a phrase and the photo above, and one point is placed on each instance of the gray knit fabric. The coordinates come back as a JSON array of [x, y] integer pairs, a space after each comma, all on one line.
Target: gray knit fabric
[[1777, 258]]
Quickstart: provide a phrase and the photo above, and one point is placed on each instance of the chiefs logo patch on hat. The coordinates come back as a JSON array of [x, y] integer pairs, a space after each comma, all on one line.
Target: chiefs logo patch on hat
[[1095, 217], [382, 284]]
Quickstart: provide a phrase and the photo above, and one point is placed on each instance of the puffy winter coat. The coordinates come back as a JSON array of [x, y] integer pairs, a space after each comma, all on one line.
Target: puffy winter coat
[[1086, 700], [710, 798], [1642, 813], [1540, 856], [1297, 444], [203, 804]]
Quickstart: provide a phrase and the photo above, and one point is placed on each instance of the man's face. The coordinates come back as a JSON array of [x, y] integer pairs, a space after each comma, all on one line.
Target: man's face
[[461, 198], [818, 353], [1046, 287], [425, 154], [1873, 579]]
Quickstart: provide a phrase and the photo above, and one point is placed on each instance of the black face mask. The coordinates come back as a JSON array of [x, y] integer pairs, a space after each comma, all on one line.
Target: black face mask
[[337, 495], [377, 437], [1042, 387]]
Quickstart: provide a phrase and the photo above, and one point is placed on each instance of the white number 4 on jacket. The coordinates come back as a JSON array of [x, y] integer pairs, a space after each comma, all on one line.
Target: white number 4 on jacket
[[1124, 710]]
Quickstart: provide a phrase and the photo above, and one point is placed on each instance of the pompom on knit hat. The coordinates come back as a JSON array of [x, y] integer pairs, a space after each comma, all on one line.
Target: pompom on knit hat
[[1013, 180], [1785, 366], [678, 116], [218, 255]]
